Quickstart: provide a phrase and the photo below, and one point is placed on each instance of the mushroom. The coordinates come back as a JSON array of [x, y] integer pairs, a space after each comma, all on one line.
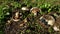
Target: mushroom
[[56, 28], [16, 16], [47, 20], [25, 8], [34, 10]]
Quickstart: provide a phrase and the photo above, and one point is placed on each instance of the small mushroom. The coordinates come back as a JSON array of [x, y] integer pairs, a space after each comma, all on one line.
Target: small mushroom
[[25, 8], [56, 28], [34, 10], [47, 19], [16, 17]]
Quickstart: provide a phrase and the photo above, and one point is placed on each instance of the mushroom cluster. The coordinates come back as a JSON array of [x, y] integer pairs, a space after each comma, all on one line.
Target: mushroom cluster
[[46, 20], [50, 21]]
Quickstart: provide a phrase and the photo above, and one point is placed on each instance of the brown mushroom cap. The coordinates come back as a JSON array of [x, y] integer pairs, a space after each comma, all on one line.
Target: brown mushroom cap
[[34, 10], [49, 19]]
